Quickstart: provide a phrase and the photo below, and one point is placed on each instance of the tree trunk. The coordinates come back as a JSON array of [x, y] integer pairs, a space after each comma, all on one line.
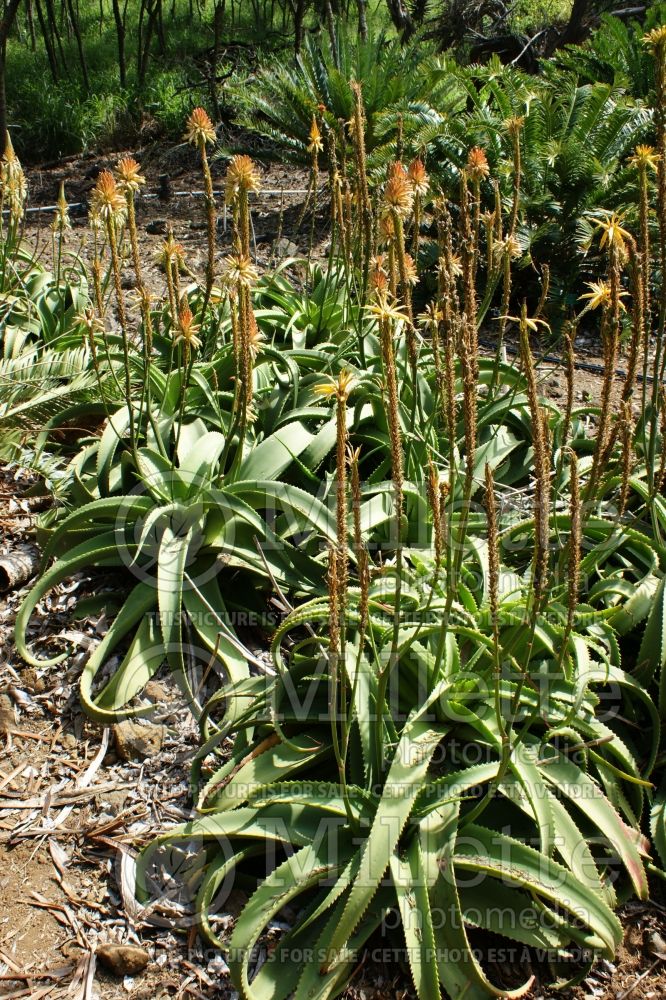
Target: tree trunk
[[145, 42], [401, 17], [55, 33], [218, 23], [76, 28], [161, 35], [576, 27], [299, 18], [120, 32], [362, 20], [5, 28], [330, 27], [31, 27], [48, 42]]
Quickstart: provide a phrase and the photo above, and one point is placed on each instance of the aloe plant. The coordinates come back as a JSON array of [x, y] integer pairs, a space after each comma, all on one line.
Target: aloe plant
[[171, 512], [408, 828], [450, 728]]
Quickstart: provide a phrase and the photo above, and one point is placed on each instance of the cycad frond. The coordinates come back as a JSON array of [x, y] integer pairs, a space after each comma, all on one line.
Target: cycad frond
[[38, 384]]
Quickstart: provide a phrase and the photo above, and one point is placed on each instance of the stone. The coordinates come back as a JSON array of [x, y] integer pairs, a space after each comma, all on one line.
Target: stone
[[156, 227], [115, 800], [136, 742], [123, 959], [156, 692], [164, 190], [285, 248]]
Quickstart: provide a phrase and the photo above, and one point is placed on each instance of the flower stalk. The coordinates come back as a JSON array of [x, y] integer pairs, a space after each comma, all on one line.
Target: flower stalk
[[200, 132]]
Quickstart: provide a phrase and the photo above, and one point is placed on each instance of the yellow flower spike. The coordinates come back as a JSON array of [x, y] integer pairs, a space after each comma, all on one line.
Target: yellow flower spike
[[13, 181], [353, 454], [431, 316], [514, 124], [199, 128], [188, 328], [10, 165], [255, 338], [455, 268], [410, 270], [171, 251], [379, 281], [90, 321], [315, 145], [341, 388], [398, 192], [94, 220], [612, 231], [655, 38], [9, 156], [530, 324], [107, 202], [645, 158], [418, 177], [386, 228], [144, 297], [600, 295], [387, 311], [239, 270], [61, 222], [508, 245], [130, 180], [477, 167], [242, 175]]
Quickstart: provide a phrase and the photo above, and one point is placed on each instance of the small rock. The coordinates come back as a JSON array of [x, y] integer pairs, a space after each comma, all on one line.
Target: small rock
[[164, 191], [156, 227], [156, 692], [69, 741], [285, 248], [136, 742], [115, 801], [123, 959]]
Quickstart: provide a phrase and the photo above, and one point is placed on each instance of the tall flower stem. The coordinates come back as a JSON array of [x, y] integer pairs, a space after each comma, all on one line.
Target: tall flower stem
[[363, 188], [395, 436], [573, 551], [122, 319], [200, 131], [610, 333], [541, 468]]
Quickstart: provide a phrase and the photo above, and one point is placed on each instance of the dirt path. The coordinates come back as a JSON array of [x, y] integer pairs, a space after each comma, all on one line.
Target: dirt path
[[167, 200]]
